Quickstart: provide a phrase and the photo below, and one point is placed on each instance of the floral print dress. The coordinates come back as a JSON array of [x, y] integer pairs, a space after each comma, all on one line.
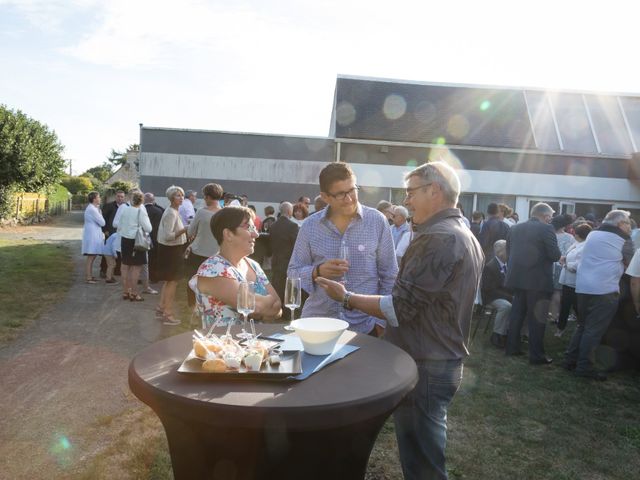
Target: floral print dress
[[210, 308]]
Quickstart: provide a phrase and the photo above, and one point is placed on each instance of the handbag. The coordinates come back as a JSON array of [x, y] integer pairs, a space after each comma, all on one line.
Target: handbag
[[142, 241]]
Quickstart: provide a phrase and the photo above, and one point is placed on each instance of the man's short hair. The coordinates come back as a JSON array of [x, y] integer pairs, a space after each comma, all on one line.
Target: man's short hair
[[149, 197], [269, 210], [334, 172], [286, 208], [492, 209], [499, 246], [614, 217], [383, 206], [477, 215], [541, 209], [442, 174], [188, 193]]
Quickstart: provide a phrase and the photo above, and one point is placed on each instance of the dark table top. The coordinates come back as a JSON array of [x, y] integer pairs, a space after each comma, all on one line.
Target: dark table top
[[368, 382]]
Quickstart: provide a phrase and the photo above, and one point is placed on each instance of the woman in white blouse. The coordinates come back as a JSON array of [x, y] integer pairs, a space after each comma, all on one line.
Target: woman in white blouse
[[567, 280], [172, 240], [133, 216], [92, 235]]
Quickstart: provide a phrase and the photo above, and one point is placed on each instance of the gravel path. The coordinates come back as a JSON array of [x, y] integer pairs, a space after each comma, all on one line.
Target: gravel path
[[68, 371]]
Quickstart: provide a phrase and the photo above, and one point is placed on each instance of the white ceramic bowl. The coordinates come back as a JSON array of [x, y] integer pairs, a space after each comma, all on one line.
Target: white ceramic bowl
[[319, 335]]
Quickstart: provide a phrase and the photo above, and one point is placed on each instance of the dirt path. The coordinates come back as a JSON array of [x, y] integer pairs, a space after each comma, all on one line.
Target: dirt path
[[68, 371]]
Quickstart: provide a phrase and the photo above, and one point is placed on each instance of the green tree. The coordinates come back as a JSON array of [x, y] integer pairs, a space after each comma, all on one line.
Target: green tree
[[30, 156], [118, 158], [101, 172], [77, 184]]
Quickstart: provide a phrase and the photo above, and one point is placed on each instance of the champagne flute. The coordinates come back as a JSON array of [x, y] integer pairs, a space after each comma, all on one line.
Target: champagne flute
[[344, 255], [246, 305], [292, 297]]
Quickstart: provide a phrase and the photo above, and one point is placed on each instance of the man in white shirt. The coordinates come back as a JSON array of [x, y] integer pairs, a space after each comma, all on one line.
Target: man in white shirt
[[634, 272], [187, 210], [606, 252]]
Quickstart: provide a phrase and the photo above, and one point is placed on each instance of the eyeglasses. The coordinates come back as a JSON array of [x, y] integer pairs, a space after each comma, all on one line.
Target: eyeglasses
[[409, 191], [251, 228], [342, 195]]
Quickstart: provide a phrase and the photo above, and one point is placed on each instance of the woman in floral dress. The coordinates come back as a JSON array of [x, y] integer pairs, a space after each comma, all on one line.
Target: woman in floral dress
[[217, 280]]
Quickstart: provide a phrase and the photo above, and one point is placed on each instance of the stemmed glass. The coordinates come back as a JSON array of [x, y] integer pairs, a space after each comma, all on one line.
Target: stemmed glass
[[246, 305], [292, 297]]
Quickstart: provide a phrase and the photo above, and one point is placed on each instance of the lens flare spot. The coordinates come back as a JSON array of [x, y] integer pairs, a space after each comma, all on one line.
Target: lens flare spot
[[440, 141], [412, 163], [458, 126], [345, 114], [485, 105], [394, 107]]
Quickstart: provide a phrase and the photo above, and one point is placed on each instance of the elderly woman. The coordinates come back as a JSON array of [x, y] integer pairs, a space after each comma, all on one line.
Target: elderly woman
[[300, 213], [127, 223], [565, 240], [204, 245], [217, 280], [92, 236], [172, 239]]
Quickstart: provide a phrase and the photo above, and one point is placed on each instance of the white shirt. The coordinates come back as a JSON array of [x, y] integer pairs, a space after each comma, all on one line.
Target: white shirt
[[634, 266], [186, 211], [130, 219], [601, 267], [572, 260]]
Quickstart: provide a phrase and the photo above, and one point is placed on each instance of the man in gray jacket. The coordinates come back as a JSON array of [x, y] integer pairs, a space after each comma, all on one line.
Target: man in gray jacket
[[428, 313]]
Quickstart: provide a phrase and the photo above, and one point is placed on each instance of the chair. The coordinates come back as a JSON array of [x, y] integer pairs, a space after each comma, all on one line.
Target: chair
[[483, 313]]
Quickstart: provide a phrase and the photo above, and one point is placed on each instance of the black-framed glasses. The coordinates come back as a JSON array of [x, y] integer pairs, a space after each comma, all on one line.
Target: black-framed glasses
[[409, 191], [343, 195]]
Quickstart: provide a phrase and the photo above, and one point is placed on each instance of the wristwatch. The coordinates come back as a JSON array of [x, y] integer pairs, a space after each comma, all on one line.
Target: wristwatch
[[345, 300]]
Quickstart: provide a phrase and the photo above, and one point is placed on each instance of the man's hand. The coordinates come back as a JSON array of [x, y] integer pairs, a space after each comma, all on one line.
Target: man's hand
[[334, 268], [335, 290]]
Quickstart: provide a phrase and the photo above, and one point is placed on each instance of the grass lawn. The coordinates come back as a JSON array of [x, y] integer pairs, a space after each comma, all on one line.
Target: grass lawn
[[508, 421], [30, 268]]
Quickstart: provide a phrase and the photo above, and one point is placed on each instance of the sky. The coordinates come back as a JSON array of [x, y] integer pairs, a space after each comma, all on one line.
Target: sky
[[93, 70]]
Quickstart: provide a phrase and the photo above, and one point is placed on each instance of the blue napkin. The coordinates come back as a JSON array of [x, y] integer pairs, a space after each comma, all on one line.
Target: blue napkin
[[313, 363]]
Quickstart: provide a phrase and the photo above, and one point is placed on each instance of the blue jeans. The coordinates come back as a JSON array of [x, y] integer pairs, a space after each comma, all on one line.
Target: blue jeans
[[421, 419]]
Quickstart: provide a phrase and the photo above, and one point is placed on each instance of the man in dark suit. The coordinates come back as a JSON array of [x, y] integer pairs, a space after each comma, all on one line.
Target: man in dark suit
[[493, 229], [155, 212], [282, 233], [109, 211], [532, 247], [496, 294]]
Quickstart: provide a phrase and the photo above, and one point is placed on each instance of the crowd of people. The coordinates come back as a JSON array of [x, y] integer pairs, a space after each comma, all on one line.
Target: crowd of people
[[410, 273]]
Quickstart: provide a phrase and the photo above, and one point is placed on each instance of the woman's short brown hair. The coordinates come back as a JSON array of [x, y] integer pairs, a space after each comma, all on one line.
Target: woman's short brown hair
[[301, 207], [332, 173], [213, 191], [231, 218]]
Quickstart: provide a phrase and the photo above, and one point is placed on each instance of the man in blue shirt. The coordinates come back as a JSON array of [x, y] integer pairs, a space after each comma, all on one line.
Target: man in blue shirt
[[370, 267]]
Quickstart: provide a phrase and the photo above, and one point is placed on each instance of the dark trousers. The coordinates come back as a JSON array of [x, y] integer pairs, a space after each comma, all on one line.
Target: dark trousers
[[568, 300], [532, 305], [191, 266], [594, 315]]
